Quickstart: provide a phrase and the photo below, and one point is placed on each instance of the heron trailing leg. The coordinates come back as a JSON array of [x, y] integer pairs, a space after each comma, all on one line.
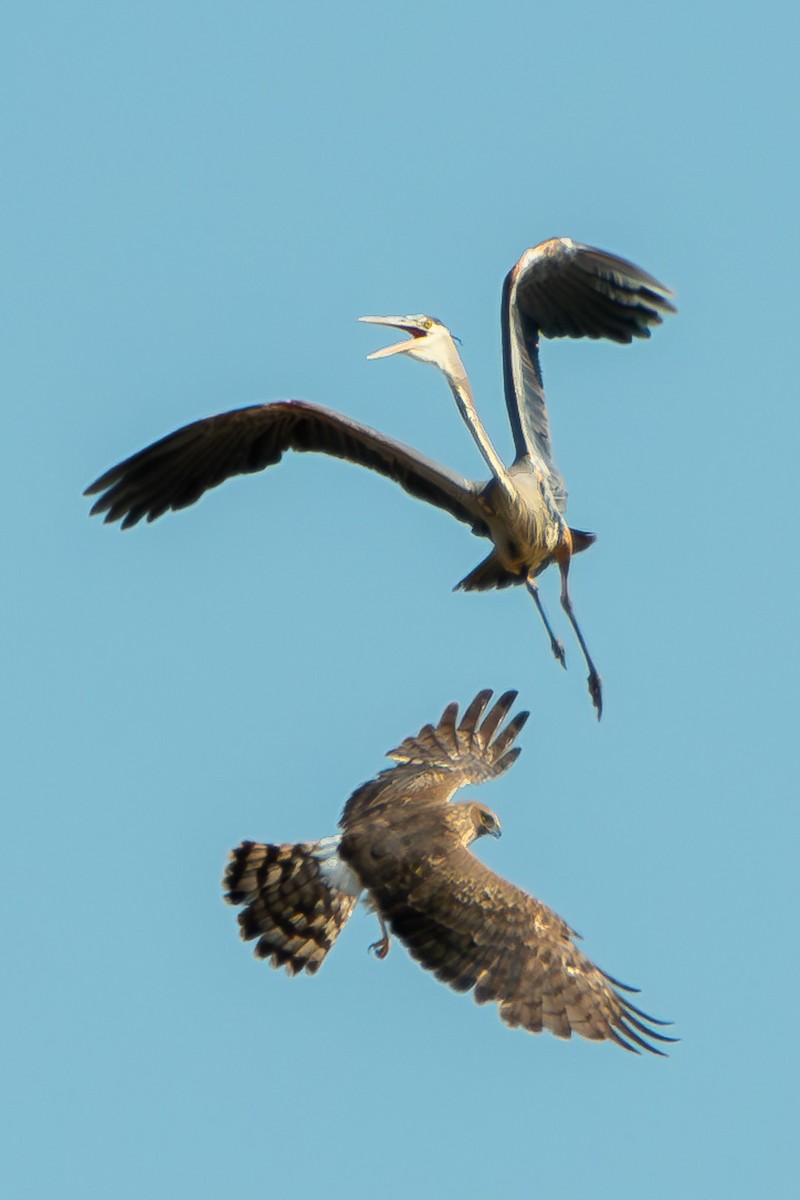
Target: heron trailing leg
[[594, 681], [381, 949], [555, 645]]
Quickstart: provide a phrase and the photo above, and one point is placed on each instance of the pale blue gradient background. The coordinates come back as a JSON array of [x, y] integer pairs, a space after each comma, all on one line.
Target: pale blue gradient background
[[198, 202]]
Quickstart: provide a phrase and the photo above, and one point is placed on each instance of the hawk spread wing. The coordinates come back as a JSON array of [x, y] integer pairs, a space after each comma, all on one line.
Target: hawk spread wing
[[406, 846]]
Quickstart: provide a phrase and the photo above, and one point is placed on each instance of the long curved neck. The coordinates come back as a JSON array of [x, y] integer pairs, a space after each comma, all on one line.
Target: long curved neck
[[462, 391]]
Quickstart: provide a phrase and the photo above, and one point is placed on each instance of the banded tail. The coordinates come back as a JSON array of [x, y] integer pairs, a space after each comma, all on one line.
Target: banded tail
[[297, 899]]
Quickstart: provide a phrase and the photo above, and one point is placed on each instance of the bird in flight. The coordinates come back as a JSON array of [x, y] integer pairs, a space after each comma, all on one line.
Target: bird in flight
[[406, 846], [557, 289]]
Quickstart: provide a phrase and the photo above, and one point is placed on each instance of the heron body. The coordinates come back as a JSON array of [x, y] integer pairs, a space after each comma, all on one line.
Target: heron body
[[525, 525], [557, 289]]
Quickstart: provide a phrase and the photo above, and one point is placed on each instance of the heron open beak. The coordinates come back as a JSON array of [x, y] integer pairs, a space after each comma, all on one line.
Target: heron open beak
[[407, 324]]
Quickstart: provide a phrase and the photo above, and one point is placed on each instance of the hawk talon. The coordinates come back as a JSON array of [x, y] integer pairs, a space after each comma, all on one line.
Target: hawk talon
[[380, 949]]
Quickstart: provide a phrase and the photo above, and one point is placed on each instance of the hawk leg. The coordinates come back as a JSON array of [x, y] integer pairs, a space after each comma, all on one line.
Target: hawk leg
[[381, 949]]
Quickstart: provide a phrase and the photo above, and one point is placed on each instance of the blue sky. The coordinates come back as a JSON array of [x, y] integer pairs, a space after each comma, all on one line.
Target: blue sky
[[199, 200]]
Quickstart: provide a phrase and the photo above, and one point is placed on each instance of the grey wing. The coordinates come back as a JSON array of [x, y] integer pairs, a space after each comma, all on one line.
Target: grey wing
[[476, 931], [442, 758], [564, 289], [175, 471]]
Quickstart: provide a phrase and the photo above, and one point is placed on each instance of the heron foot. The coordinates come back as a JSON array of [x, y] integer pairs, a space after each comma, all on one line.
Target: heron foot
[[596, 691], [381, 949], [557, 646]]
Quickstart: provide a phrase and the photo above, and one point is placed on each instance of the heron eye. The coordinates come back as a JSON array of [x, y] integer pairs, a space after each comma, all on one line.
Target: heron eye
[[427, 323]]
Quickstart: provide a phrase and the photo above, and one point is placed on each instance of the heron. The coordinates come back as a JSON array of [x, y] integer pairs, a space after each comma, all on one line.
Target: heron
[[560, 288]]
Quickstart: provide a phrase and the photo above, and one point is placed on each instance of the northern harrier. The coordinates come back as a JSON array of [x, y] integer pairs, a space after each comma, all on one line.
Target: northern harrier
[[405, 845], [557, 289]]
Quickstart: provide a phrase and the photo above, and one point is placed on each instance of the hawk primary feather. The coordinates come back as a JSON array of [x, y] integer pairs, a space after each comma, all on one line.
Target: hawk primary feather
[[405, 845]]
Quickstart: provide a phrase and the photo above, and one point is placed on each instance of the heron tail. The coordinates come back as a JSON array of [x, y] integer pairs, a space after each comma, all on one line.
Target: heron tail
[[581, 540], [488, 574]]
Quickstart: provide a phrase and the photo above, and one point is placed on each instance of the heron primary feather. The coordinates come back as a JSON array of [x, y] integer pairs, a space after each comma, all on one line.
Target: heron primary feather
[[557, 289]]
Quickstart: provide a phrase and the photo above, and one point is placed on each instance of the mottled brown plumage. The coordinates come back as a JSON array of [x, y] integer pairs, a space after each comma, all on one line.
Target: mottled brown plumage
[[294, 914], [407, 846]]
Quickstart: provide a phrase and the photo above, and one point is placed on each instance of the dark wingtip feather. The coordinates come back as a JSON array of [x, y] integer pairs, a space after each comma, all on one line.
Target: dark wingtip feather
[[511, 732], [474, 711], [496, 715], [617, 983], [647, 1017], [447, 721], [644, 1027], [507, 699], [640, 1041], [620, 1041], [507, 760]]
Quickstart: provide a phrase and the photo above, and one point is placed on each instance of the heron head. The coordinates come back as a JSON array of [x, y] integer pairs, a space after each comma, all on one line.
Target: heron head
[[430, 341]]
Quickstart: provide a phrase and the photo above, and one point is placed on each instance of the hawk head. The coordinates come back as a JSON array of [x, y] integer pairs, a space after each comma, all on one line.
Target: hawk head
[[472, 820]]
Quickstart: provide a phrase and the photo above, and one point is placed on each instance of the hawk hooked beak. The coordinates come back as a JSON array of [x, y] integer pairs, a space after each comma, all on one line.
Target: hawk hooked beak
[[490, 823]]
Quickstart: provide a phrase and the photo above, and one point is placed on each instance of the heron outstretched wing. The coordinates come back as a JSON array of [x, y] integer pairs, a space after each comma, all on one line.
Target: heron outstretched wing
[[564, 289], [175, 472]]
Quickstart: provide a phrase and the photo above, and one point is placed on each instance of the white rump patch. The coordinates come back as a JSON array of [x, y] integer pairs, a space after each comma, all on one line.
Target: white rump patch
[[334, 871]]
